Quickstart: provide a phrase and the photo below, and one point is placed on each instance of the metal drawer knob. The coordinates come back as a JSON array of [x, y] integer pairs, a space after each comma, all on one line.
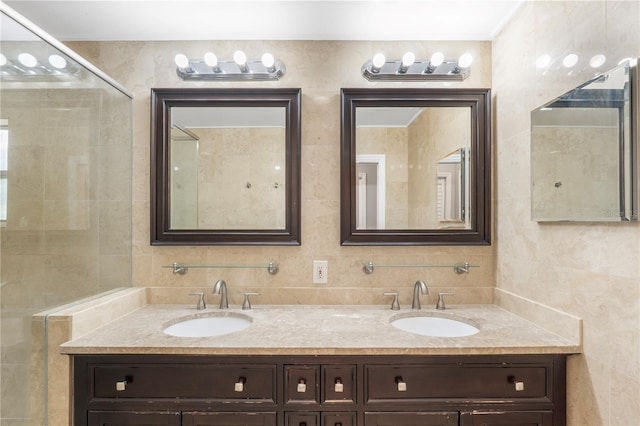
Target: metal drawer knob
[[121, 386], [302, 386], [338, 387], [239, 385], [402, 385]]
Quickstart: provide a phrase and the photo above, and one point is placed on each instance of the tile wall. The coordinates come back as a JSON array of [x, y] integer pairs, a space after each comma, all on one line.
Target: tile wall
[[590, 270], [320, 69]]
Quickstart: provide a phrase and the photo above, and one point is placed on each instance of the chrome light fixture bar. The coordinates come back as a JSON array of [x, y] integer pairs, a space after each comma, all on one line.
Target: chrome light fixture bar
[[237, 69], [409, 69]]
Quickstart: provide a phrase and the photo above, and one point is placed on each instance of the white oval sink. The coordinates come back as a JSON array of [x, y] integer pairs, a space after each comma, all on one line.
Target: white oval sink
[[434, 326], [207, 325]]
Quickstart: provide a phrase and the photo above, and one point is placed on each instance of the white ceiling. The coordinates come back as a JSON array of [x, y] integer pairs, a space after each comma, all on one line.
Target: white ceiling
[[269, 19]]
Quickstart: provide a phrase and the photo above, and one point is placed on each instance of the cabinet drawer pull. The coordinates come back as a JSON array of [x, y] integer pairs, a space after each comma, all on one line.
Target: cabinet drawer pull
[[338, 387], [517, 384], [402, 385], [302, 387], [121, 386], [239, 385]]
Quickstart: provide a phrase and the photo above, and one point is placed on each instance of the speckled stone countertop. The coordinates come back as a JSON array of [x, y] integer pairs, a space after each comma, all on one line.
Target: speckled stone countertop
[[321, 330]]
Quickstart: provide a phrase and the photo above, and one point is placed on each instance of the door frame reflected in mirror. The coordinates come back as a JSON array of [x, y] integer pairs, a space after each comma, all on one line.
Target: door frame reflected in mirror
[[479, 102], [162, 100]]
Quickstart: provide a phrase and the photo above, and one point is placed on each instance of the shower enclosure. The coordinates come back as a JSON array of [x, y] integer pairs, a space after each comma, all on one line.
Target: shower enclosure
[[65, 200]]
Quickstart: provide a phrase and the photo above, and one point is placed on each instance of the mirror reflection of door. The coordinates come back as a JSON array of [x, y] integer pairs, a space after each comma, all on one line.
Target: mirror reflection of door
[[371, 191], [451, 189]]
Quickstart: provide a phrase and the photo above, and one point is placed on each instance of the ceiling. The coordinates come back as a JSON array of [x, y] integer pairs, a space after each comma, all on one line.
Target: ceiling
[[268, 19]]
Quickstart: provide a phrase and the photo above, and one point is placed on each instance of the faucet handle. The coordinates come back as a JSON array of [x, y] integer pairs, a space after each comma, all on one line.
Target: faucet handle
[[201, 303], [395, 305], [440, 303], [246, 304]]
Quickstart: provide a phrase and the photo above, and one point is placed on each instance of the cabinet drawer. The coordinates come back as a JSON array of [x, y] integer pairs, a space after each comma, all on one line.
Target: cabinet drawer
[[301, 384], [338, 384], [228, 382], [413, 382]]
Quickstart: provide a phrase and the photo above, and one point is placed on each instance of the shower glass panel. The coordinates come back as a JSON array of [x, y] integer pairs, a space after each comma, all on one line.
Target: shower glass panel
[[65, 200]]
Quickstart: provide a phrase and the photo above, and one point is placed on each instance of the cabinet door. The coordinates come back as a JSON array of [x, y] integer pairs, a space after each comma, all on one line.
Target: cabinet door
[[338, 419], [412, 419], [108, 418], [518, 418], [228, 419], [302, 419]]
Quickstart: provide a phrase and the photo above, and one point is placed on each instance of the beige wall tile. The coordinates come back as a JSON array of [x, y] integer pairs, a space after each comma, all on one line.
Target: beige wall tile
[[590, 270]]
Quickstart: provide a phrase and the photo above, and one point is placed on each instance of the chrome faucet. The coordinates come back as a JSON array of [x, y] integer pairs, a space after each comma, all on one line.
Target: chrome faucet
[[419, 287], [221, 288]]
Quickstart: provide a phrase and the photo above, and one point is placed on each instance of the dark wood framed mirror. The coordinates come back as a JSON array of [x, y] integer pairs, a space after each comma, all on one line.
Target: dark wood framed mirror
[[225, 166], [415, 167]]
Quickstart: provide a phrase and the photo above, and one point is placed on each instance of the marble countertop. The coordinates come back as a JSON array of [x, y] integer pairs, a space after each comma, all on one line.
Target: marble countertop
[[321, 330]]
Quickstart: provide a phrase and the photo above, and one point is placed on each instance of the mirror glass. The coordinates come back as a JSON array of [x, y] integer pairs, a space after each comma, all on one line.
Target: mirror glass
[[582, 152], [415, 166], [408, 177], [227, 166]]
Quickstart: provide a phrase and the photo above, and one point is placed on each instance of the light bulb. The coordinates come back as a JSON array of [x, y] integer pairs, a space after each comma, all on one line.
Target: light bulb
[[181, 61], [28, 60], [465, 60], [378, 60], [543, 61], [58, 61], [240, 58], [3, 60], [570, 60], [408, 59], [268, 60], [597, 61], [211, 59], [436, 59]]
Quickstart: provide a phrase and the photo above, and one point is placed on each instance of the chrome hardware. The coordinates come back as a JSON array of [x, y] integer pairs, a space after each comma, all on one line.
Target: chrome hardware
[[395, 305], [368, 268], [338, 386], [402, 385], [302, 386], [419, 287], [246, 303], [440, 302], [221, 288], [201, 303], [121, 386], [239, 385], [273, 268], [462, 268], [179, 269]]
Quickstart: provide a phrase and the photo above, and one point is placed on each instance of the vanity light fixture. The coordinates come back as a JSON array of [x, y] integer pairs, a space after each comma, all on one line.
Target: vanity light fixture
[[409, 68], [239, 68], [40, 66]]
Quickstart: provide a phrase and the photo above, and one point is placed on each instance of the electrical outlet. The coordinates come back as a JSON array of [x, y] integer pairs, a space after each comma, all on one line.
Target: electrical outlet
[[320, 271]]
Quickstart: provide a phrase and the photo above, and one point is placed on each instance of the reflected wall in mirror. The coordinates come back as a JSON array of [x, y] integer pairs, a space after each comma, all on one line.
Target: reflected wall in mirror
[[415, 166], [584, 151], [452, 188], [227, 166]]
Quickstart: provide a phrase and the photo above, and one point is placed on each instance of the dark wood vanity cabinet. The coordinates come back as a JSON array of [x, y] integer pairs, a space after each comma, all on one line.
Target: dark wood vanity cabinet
[[405, 390]]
